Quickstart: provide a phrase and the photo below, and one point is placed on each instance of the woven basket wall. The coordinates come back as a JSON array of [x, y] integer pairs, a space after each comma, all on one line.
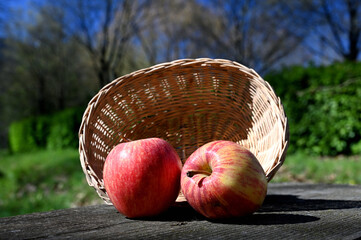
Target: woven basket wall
[[187, 102]]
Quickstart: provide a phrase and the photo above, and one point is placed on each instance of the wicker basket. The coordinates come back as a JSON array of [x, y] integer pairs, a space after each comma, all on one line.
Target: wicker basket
[[187, 102]]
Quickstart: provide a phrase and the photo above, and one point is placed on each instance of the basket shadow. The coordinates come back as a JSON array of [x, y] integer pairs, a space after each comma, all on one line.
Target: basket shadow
[[270, 219], [292, 203], [276, 210], [184, 214], [178, 212]]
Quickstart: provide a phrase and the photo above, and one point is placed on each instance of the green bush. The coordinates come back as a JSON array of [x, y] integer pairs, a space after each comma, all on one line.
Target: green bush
[[56, 131], [323, 107], [41, 130], [64, 129], [21, 136]]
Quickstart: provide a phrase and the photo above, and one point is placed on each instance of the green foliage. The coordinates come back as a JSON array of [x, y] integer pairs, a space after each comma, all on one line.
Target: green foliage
[[27, 186], [21, 136], [323, 107], [301, 167], [56, 131], [64, 129]]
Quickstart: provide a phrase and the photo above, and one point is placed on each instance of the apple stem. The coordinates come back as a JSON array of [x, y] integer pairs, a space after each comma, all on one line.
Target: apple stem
[[192, 173]]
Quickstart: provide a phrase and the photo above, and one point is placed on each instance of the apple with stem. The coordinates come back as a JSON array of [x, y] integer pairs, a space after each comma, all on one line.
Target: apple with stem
[[222, 179], [142, 177]]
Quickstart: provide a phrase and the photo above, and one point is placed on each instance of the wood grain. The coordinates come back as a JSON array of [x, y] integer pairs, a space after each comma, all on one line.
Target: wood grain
[[290, 211]]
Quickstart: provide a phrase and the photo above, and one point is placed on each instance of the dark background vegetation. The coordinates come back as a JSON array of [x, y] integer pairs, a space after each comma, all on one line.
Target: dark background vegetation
[[56, 55]]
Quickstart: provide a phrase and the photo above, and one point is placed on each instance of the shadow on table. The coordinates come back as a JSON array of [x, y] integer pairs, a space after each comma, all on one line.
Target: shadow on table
[[181, 212], [276, 210], [270, 219], [291, 203], [185, 214]]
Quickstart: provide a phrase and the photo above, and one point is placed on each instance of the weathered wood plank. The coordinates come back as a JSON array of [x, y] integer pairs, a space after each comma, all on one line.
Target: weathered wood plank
[[291, 211]]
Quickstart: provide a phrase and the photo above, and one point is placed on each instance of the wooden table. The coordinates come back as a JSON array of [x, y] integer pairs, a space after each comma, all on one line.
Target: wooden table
[[290, 211]]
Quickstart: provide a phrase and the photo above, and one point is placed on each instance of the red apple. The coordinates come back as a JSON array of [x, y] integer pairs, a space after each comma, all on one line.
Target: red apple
[[222, 179], [142, 177]]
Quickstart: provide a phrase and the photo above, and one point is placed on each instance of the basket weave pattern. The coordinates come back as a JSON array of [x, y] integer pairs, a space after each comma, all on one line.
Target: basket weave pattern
[[187, 102]]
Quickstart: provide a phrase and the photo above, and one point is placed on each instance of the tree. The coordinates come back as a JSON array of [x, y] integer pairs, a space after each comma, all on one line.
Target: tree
[[177, 29], [105, 28], [253, 32], [43, 65], [332, 27]]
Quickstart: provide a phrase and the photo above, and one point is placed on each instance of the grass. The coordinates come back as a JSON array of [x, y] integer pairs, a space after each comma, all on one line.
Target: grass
[[48, 180], [42, 181], [312, 169]]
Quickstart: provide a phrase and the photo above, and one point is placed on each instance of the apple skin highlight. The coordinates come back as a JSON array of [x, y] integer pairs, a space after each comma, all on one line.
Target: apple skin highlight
[[222, 179]]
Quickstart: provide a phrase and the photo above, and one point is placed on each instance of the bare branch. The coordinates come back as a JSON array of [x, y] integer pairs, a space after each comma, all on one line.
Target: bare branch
[[334, 29]]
